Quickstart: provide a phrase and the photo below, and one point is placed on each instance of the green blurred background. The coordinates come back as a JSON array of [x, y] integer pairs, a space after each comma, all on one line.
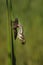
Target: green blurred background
[[30, 14]]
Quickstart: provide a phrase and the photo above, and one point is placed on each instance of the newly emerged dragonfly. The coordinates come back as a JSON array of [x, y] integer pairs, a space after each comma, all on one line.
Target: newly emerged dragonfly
[[18, 33]]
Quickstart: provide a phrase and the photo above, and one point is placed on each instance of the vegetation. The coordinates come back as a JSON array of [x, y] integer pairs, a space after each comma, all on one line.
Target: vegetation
[[30, 14]]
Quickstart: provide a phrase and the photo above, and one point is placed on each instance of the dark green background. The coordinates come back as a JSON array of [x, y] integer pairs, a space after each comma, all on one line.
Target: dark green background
[[30, 14]]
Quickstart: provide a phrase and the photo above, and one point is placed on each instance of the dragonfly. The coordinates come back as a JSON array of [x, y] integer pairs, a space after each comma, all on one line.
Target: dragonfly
[[18, 31]]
